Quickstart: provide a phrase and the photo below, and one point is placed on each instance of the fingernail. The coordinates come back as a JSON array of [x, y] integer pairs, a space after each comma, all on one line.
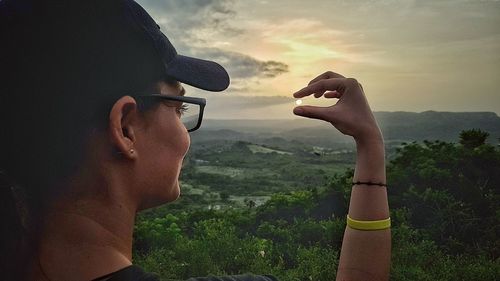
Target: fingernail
[[298, 111]]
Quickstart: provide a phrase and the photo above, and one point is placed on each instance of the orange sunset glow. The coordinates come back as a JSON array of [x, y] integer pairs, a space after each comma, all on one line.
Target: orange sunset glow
[[409, 55]]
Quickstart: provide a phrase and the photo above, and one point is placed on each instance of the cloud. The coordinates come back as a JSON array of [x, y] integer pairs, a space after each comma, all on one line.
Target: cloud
[[273, 68], [199, 29], [245, 71], [410, 54], [243, 66], [193, 23], [422, 22], [189, 15]]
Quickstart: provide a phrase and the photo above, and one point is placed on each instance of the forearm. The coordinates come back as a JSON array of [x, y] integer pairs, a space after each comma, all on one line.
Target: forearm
[[365, 255]]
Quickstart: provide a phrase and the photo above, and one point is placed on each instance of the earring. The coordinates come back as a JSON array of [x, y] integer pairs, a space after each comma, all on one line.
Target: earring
[[131, 151]]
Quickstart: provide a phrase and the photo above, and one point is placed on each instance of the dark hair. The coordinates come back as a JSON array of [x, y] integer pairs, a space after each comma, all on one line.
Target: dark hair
[[51, 97]]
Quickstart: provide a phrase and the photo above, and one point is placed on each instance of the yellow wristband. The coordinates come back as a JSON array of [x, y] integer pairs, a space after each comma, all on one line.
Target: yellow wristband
[[369, 225]]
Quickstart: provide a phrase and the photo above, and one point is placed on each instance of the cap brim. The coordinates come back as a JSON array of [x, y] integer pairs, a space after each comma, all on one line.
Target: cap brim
[[203, 74]]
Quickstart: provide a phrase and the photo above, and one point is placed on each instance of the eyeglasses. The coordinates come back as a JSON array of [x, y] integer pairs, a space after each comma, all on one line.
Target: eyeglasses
[[191, 108]]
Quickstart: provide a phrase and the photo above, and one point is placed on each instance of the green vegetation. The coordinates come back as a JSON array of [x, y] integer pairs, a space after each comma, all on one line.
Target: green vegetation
[[262, 149], [443, 199]]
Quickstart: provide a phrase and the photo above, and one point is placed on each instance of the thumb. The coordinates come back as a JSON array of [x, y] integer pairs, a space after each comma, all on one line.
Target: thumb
[[314, 112]]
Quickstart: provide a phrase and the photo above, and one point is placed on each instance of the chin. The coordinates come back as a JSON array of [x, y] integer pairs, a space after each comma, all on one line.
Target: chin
[[175, 192], [156, 200]]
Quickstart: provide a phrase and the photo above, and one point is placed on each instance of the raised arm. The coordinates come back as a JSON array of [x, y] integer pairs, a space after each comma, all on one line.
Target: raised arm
[[365, 254]]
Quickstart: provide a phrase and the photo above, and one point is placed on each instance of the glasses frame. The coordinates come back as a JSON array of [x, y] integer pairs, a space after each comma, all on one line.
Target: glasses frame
[[192, 100]]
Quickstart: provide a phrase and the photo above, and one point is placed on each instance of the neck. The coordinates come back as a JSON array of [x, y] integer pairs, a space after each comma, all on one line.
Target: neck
[[85, 239]]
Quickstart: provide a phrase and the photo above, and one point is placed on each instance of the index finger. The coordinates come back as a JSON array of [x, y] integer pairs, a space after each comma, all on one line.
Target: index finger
[[332, 84], [326, 75]]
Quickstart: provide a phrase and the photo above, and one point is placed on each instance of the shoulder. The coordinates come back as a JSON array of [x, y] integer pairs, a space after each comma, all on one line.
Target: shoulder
[[244, 277], [129, 273], [136, 273]]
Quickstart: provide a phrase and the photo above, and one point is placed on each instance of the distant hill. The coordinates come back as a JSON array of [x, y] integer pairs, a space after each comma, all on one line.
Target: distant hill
[[396, 126], [436, 124]]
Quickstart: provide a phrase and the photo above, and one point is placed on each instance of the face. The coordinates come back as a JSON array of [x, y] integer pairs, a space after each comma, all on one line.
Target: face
[[162, 148]]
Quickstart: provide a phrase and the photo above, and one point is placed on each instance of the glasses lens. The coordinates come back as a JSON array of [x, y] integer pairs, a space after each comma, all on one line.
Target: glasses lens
[[190, 116]]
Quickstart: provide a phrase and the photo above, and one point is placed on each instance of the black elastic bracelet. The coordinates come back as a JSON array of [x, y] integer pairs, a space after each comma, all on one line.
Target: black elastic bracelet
[[370, 183]]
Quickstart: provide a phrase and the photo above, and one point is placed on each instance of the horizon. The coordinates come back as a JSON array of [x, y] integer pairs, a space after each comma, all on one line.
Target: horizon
[[409, 55], [381, 111], [275, 107]]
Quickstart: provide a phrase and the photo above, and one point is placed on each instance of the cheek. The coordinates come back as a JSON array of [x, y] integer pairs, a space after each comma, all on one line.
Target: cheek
[[180, 140], [166, 144], [176, 139], [166, 148], [164, 163]]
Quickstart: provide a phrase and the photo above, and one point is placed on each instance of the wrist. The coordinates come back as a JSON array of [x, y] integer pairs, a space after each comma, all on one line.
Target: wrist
[[370, 159], [370, 137]]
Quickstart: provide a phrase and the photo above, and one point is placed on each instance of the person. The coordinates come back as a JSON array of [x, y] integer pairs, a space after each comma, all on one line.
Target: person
[[95, 128]]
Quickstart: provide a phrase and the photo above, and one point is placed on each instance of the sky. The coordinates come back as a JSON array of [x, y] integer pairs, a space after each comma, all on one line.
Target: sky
[[409, 55]]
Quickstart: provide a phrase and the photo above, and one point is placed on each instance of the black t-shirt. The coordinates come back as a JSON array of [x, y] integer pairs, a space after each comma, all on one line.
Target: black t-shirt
[[135, 273]]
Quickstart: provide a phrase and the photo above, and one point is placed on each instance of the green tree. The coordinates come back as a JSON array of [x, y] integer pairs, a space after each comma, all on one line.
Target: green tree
[[451, 191], [444, 214], [473, 138]]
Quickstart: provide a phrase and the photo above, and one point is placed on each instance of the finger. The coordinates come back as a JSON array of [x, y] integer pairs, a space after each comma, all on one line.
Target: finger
[[332, 84], [319, 94], [328, 94], [326, 75], [314, 112], [332, 94]]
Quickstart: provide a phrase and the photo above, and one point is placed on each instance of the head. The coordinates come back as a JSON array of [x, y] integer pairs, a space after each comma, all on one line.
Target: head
[[89, 158], [69, 115], [144, 142]]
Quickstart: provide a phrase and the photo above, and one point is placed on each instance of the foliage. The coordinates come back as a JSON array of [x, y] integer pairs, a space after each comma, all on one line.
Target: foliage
[[452, 192], [473, 138], [444, 209]]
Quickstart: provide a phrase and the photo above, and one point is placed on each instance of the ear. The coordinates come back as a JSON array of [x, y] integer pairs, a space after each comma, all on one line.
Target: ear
[[123, 125]]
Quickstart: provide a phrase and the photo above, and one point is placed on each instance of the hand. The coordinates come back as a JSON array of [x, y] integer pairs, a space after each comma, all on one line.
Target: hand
[[351, 115]]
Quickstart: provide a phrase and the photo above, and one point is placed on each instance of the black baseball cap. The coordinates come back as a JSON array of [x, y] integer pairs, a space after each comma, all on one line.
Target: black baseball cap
[[199, 73], [94, 40]]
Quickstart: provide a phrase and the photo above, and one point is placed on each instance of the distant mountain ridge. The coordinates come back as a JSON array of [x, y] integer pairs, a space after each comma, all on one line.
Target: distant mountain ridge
[[436, 124], [397, 125]]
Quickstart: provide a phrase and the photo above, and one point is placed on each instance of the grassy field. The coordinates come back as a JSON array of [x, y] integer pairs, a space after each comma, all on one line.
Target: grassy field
[[243, 171], [221, 170], [233, 172], [261, 149]]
